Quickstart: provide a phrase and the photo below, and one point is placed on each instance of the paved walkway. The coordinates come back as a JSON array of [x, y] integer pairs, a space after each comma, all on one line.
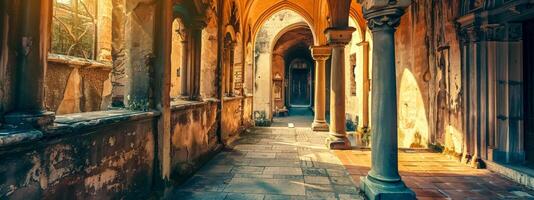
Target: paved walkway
[[435, 176], [269, 164]]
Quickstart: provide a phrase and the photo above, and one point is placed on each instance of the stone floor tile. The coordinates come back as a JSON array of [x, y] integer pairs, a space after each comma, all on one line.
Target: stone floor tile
[[197, 195], [314, 172], [316, 180], [241, 196], [283, 170], [284, 197], [247, 170], [341, 180], [265, 186], [315, 195]]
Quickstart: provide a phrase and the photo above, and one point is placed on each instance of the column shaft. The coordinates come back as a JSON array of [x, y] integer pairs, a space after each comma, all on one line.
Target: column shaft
[[197, 62], [320, 54], [35, 27], [184, 70], [383, 181], [337, 40]]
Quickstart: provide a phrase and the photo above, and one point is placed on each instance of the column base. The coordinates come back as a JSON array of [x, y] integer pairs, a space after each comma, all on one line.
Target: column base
[[376, 190], [338, 143], [34, 119], [321, 126]]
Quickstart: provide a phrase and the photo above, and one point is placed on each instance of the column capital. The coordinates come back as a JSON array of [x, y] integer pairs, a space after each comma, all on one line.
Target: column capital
[[377, 5], [339, 36], [383, 19], [198, 23], [321, 52]]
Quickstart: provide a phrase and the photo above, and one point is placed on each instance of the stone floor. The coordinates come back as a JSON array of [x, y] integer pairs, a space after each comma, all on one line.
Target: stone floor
[[435, 176], [272, 163], [293, 163]]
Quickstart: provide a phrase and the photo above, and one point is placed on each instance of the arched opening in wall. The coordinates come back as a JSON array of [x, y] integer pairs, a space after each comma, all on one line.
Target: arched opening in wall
[[179, 61], [237, 73], [81, 74], [283, 67]]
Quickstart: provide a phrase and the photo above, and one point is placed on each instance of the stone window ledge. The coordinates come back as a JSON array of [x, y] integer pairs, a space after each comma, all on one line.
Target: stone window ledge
[[80, 62], [233, 98], [71, 124], [178, 105]]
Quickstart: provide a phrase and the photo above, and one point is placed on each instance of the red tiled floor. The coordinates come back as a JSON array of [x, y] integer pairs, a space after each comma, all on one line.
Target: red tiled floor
[[435, 176]]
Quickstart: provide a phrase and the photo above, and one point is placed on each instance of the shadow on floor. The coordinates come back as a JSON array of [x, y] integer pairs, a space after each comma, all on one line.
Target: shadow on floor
[[271, 163]]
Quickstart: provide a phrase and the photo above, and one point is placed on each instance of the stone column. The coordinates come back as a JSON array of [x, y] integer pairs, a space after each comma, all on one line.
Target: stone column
[[33, 45], [228, 68], [384, 181], [196, 57], [366, 84], [338, 39], [184, 69], [320, 54]]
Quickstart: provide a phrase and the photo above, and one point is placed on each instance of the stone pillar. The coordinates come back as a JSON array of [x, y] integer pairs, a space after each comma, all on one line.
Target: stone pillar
[[184, 69], [384, 181], [196, 57], [366, 84], [338, 39], [228, 68], [33, 45], [320, 54]]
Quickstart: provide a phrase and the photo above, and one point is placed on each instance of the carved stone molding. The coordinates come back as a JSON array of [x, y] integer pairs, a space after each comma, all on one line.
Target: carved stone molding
[[321, 52], [339, 37], [385, 19]]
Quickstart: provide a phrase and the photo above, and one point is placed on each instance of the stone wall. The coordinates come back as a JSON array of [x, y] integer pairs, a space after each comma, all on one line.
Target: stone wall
[[193, 137], [232, 119], [76, 85], [81, 158], [429, 76]]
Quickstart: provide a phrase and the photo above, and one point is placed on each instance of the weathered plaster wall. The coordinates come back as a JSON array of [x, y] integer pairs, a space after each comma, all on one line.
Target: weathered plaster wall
[[104, 162], [429, 76], [208, 76], [248, 121], [232, 119], [193, 137]]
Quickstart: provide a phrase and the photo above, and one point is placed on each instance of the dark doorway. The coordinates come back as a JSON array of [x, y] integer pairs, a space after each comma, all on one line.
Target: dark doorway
[[528, 67], [300, 87]]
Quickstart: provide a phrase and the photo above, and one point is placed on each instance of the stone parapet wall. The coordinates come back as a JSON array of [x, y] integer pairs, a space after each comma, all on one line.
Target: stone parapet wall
[[103, 155], [232, 119], [193, 137]]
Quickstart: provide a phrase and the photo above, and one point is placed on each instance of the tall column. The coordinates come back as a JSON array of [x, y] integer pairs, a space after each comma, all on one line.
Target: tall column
[[196, 56], [35, 27], [320, 54], [366, 84], [228, 68], [384, 181], [338, 39], [184, 69]]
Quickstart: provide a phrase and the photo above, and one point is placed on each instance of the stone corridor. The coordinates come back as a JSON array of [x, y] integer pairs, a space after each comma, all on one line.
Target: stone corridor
[[272, 163], [293, 163]]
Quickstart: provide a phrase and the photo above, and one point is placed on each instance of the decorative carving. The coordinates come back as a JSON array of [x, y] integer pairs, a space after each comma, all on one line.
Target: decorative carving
[[386, 19]]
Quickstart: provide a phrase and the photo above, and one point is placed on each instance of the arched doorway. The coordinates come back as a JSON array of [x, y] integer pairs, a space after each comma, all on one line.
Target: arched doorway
[[300, 83]]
